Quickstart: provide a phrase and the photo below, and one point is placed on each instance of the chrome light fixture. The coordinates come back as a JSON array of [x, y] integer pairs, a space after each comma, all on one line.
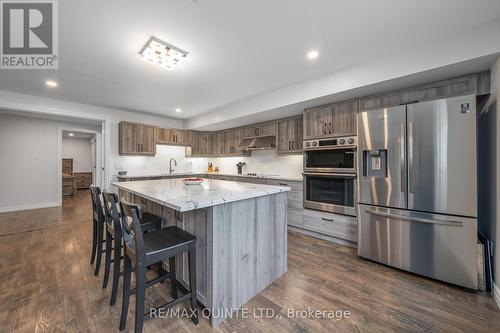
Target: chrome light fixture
[[156, 51]]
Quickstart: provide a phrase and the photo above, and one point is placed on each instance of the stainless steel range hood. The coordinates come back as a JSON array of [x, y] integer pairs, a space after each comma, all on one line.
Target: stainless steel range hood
[[260, 143]]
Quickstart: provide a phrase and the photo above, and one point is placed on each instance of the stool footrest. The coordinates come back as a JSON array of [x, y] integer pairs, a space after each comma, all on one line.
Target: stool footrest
[[152, 282]]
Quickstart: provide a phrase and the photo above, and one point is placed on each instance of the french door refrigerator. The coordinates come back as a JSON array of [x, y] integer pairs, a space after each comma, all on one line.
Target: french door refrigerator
[[418, 188]]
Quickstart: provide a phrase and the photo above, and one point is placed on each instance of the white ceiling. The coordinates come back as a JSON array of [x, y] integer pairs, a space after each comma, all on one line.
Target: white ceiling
[[237, 49]]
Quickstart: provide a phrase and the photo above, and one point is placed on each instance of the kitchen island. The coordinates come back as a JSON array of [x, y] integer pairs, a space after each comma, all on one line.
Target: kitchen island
[[241, 232]]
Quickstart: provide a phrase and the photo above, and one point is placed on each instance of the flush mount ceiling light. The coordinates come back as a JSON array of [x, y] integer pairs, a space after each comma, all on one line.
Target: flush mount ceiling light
[[159, 52], [313, 54], [178, 110], [51, 83], [71, 134]]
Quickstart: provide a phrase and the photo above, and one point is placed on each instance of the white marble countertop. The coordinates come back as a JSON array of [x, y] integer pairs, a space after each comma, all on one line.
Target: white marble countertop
[[206, 174], [173, 193]]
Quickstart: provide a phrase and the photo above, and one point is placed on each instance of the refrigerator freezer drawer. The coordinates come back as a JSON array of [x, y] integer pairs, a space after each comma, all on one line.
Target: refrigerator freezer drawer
[[438, 246]]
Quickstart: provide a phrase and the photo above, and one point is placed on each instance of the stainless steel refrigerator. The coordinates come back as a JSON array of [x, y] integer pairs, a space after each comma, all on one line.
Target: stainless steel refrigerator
[[418, 188]]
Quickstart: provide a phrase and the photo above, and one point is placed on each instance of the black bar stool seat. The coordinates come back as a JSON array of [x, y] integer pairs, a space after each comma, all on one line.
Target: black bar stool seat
[[166, 242]]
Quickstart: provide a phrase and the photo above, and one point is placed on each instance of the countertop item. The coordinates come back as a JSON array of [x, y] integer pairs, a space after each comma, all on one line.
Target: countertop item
[[173, 193], [207, 174]]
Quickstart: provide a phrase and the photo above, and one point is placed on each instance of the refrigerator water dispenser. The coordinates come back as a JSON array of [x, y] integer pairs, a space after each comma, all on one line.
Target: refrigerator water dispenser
[[375, 163]]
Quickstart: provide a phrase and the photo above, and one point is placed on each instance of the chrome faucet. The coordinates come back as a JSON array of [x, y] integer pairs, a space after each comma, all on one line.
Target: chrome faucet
[[172, 159]]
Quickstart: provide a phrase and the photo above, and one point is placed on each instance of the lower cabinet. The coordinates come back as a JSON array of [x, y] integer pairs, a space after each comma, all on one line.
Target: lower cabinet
[[336, 225]]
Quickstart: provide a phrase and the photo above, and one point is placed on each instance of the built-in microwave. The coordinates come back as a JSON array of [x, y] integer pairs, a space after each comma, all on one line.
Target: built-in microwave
[[330, 155]]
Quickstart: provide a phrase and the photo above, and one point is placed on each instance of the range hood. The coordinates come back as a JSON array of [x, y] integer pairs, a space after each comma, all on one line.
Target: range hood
[[259, 143]]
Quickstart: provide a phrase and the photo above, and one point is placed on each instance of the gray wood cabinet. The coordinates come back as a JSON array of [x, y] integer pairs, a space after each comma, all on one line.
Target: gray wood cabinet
[[334, 225], [173, 136], [331, 120], [218, 144], [472, 84], [136, 139], [262, 129], [289, 136]]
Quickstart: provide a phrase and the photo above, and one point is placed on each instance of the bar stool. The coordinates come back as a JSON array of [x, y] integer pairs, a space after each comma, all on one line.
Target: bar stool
[[114, 240], [142, 250], [97, 228]]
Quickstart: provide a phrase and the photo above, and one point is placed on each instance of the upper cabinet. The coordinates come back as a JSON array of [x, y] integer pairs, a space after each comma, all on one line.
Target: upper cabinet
[[289, 135], [472, 84], [218, 144], [232, 140], [136, 139], [173, 136], [263, 129], [201, 144], [330, 120]]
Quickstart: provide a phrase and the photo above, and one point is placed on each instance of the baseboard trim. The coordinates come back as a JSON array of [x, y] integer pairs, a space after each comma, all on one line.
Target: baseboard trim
[[322, 236], [496, 294], [29, 207]]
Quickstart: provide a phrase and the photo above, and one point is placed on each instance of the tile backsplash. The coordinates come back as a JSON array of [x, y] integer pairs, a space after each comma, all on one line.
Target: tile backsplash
[[263, 162]]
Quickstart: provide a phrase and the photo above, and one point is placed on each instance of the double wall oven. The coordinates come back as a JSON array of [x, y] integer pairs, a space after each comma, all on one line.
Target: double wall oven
[[330, 182]]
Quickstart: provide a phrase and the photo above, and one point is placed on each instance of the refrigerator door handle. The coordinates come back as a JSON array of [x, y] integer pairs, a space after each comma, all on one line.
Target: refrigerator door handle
[[416, 219], [410, 157], [402, 158]]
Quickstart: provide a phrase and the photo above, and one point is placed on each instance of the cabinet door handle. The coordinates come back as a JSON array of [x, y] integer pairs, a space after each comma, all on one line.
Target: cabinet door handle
[[289, 145], [324, 128], [330, 128], [328, 220], [138, 147], [293, 142], [283, 184]]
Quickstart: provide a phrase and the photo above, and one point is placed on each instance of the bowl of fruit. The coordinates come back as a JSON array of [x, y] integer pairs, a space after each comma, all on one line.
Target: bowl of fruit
[[193, 181]]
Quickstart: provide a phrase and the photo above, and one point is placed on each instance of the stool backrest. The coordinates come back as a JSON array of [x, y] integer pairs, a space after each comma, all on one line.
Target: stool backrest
[[98, 213], [112, 214], [132, 233]]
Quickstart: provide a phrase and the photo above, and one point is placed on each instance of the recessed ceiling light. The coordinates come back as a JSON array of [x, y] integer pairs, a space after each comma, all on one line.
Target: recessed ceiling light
[[178, 110], [71, 134], [51, 83], [159, 52], [312, 54]]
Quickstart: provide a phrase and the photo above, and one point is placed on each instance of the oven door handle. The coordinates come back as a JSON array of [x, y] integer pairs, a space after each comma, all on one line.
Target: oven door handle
[[347, 175]]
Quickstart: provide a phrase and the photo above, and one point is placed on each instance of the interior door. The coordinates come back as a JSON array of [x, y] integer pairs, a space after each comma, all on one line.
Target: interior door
[[381, 157], [442, 156]]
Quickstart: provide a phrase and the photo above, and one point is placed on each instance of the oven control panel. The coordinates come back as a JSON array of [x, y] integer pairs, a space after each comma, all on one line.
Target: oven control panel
[[347, 141]]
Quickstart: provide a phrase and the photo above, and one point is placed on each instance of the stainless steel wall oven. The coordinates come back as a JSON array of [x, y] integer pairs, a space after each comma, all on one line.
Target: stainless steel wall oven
[[330, 182]]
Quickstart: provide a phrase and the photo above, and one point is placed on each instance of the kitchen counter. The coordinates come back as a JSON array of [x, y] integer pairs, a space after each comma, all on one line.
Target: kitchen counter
[[240, 229], [204, 174], [173, 193]]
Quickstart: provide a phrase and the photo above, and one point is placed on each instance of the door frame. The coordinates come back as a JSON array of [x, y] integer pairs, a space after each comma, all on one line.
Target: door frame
[[62, 114]]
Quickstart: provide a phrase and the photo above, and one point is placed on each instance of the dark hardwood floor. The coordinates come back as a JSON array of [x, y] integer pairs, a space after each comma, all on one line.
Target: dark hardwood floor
[[47, 285]]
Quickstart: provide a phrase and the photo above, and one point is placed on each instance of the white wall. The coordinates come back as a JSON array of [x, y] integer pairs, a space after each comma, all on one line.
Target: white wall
[[29, 161], [80, 151]]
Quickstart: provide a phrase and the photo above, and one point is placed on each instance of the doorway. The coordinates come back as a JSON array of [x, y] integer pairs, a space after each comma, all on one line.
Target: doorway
[[81, 161]]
